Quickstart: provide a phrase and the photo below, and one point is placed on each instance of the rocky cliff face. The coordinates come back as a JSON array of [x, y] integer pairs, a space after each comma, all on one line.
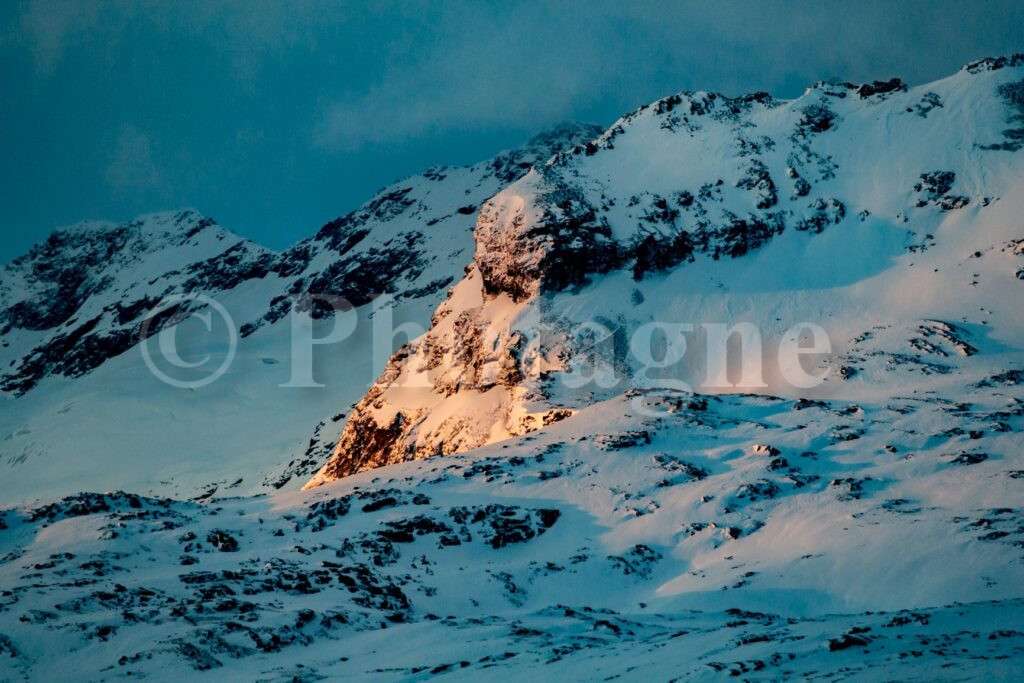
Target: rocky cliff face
[[691, 198]]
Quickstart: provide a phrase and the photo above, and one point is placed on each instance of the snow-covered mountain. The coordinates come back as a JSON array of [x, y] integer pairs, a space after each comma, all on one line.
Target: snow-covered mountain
[[493, 513], [80, 297], [77, 395], [885, 214]]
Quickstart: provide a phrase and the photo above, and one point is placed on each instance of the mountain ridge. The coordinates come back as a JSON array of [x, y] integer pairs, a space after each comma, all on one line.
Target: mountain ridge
[[582, 217], [73, 309]]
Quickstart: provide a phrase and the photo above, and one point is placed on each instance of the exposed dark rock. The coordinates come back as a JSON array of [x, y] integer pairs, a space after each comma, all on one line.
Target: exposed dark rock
[[84, 504], [222, 541], [816, 119], [846, 641], [738, 236], [1013, 138], [929, 101], [824, 212], [614, 442], [505, 524], [652, 254], [569, 244], [639, 560], [993, 63], [762, 489], [935, 187], [881, 88], [965, 458], [758, 180], [1009, 378]]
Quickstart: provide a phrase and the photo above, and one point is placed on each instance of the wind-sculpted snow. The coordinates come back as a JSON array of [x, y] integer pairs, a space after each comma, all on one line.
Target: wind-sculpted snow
[[744, 535], [859, 208]]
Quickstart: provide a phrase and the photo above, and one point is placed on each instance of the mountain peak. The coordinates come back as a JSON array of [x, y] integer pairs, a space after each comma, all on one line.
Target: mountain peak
[[178, 220], [564, 133], [78, 298], [88, 226]]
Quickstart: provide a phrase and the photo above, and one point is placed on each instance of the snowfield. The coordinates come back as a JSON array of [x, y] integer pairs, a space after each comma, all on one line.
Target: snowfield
[[740, 533]]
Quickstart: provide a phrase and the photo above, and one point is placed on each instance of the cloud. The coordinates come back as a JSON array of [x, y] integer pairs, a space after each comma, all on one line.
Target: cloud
[[421, 104], [51, 26], [248, 33], [478, 69], [131, 166]]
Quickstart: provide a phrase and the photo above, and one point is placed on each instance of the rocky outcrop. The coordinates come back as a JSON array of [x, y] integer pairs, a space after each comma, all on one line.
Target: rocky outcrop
[[539, 236], [411, 239]]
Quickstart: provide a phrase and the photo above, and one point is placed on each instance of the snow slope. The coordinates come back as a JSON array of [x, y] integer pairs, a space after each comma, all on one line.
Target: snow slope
[[737, 534]]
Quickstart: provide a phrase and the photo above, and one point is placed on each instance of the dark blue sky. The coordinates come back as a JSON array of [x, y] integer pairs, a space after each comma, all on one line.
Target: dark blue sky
[[276, 117]]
